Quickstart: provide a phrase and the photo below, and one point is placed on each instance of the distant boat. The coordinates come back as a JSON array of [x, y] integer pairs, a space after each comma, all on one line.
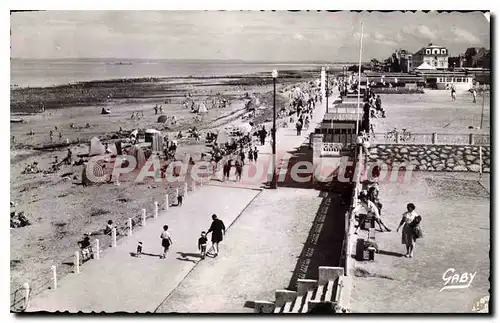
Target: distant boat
[[121, 63]]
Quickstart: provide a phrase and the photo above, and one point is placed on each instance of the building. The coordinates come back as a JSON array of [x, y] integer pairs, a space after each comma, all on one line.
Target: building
[[435, 56], [442, 80], [456, 61], [477, 57], [404, 58]]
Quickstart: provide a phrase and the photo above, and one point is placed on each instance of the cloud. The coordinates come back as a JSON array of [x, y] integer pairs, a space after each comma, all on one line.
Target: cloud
[[420, 31], [462, 35]]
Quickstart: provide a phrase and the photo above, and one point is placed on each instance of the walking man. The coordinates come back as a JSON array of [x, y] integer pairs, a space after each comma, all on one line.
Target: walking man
[[218, 230], [474, 95], [166, 241]]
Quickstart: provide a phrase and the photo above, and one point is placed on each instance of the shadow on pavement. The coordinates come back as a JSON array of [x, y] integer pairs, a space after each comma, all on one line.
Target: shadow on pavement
[[133, 254], [390, 253], [187, 254], [323, 246]]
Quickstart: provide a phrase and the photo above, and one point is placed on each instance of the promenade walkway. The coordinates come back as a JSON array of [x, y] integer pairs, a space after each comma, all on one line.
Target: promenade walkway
[[119, 282]]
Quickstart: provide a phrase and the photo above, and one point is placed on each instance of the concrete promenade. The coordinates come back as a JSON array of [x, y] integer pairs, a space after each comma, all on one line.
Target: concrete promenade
[[119, 282]]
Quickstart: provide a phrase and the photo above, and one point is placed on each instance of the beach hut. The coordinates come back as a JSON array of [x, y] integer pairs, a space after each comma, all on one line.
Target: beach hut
[[139, 156], [149, 133]]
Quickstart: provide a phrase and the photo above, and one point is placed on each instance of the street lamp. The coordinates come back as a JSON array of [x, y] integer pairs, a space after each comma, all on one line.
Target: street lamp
[[482, 109], [326, 70], [274, 184]]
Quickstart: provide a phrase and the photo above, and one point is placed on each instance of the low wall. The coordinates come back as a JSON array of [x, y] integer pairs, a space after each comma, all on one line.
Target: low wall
[[455, 158]]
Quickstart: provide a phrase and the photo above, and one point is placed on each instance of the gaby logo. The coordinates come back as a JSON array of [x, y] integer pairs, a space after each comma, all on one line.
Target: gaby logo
[[453, 280]]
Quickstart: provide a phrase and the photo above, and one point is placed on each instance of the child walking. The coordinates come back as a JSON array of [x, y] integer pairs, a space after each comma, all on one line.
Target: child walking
[[202, 244], [166, 241]]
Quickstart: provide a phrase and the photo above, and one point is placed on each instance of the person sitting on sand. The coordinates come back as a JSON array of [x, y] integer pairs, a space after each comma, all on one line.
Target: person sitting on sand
[[109, 228]]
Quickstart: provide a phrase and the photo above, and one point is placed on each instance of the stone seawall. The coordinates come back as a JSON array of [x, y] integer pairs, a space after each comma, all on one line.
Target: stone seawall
[[432, 157]]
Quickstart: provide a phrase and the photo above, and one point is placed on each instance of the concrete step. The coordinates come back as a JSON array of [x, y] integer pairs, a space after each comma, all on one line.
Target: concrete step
[[284, 300], [319, 293], [298, 304], [330, 287], [309, 297]]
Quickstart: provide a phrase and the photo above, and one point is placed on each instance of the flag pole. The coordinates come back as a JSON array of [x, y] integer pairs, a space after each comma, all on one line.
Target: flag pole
[[359, 79]]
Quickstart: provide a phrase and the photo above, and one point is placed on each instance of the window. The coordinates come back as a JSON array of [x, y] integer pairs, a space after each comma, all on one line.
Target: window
[[428, 51], [443, 51], [438, 80]]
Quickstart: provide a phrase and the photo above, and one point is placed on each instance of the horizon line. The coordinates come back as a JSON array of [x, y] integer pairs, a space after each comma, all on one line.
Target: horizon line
[[186, 59]]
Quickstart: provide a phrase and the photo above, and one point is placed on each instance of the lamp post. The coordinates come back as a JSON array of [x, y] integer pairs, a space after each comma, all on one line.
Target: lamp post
[[326, 70], [482, 109], [274, 184]]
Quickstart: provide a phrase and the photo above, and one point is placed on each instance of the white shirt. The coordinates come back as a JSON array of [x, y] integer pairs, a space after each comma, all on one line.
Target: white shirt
[[165, 235], [370, 208], [408, 217]]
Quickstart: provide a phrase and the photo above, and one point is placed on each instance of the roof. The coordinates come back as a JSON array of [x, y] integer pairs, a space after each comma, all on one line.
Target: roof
[[425, 66], [342, 116]]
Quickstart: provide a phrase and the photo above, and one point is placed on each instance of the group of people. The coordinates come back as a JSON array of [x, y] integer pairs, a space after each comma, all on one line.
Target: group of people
[[410, 221], [217, 229]]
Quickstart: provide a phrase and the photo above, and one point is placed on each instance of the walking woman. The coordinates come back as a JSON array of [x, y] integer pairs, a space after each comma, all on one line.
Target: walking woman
[[218, 230], [411, 229]]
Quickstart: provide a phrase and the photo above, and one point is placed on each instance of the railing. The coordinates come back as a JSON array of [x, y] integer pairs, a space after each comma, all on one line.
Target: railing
[[411, 138], [331, 149], [48, 279]]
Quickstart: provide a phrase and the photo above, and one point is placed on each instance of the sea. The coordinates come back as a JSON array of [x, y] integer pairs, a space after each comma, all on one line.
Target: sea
[[45, 72]]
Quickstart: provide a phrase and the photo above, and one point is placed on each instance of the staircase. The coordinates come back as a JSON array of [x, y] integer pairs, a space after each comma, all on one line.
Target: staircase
[[327, 290]]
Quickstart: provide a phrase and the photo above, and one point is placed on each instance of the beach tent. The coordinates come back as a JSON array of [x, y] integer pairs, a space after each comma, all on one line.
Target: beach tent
[[139, 156], [202, 108], [162, 119], [96, 148], [425, 66], [245, 128], [105, 111], [223, 136]]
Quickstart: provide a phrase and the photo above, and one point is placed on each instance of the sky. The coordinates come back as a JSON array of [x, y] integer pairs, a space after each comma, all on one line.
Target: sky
[[240, 35]]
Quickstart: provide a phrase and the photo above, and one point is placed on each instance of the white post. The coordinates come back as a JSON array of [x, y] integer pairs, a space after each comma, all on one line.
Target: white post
[[176, 193], [156, 210], [26, 287], [77, 262], [185, 190], [54, 277], [143, 217], [166, 202], [194, 185], [97, 249], [113, 238], [129, 227]]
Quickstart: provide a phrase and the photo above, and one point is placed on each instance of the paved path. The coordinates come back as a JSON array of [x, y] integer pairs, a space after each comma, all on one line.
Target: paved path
[[259, 256], [287, 142], [120, 282]]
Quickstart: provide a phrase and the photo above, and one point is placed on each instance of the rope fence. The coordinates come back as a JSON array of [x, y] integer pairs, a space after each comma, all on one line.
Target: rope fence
[[48, 279]]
